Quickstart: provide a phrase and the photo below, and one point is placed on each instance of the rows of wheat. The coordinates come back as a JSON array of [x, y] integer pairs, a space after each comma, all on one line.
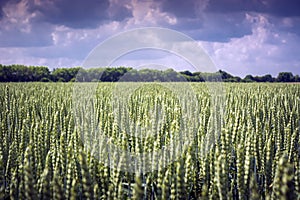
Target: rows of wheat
[[243, 144]]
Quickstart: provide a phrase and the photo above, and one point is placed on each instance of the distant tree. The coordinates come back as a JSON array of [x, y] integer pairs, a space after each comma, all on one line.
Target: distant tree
[[198, 77], [92, 74], [225, 75], [211, 77], [21, 73], [267, 78], [249, 78], [3, 73], [285, 77], [131, 75], [235, 79], [187, 73], [56, 74], [39, 73], [64, 74], [171, 76]]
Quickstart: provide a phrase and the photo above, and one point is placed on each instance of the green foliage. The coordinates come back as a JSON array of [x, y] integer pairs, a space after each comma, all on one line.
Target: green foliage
[[21, 73], [285, 77]]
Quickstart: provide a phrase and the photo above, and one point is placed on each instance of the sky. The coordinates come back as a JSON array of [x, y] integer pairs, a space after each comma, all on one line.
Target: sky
[[242, 37]]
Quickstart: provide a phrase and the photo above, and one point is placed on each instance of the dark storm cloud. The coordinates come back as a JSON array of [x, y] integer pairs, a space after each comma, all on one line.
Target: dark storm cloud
[[118, 12], [33, 22], [284, 8], [3, 3], [219, 23], [221, 28], [78, 13], [281, 8], [19, 28], [179, 8], [221, 20], [228, 6], [215, 27], [74, 13]]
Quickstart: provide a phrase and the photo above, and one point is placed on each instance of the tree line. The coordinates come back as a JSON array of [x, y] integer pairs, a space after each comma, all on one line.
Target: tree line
[[22, 73]]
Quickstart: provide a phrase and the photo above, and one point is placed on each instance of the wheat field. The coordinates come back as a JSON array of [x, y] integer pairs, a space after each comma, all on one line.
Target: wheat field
[[149, 141]]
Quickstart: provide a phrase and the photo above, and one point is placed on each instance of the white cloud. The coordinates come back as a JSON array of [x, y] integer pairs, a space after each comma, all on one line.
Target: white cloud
[[19, 27], [17, 16], [70, 46], [148, 13], [264, 51]]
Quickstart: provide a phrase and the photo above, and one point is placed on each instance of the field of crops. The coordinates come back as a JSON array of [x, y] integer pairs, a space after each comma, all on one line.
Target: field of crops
[[149, 141]]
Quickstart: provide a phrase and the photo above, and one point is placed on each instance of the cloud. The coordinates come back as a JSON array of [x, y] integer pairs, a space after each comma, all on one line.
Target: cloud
[[31, 24], [19, 28], [280, 8], [193, 20], [287, 24], [184, 9], [2, 5], [221, 27], [79, 14], [72, 13], [119, 10], [264, 51], [229, 6], [76, 43], [148, 13]]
